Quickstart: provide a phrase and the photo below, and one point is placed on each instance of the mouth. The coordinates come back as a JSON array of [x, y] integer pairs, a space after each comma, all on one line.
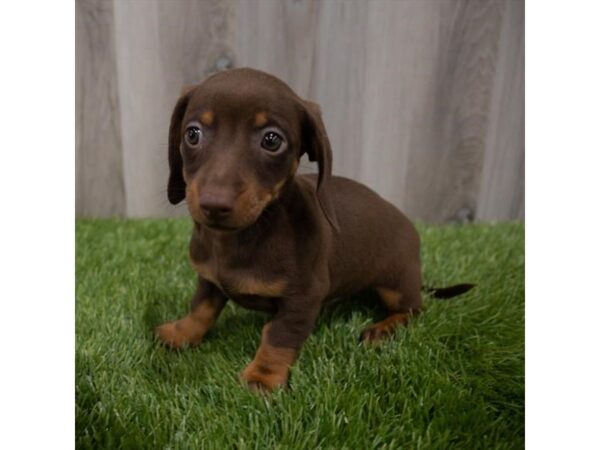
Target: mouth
[[219, 227]]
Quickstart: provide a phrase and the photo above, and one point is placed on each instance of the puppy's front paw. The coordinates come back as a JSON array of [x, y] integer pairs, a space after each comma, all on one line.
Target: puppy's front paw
[[178, 334], [262, 379]]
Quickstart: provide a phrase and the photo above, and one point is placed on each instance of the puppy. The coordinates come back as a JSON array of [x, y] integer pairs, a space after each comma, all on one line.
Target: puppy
[[271, 240]]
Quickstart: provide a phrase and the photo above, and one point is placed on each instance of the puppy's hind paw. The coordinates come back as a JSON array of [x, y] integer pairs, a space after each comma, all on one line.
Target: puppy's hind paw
[[373, 335]]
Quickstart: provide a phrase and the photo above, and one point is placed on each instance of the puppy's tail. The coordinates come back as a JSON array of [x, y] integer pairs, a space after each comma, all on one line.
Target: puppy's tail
[[448, 292]]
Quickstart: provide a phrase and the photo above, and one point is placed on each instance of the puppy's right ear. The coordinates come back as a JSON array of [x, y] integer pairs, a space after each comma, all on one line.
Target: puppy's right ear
[[176, 186]]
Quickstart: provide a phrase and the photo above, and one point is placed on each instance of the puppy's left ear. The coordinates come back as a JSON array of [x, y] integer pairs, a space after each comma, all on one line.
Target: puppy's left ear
[[176, 186], [315, 143]]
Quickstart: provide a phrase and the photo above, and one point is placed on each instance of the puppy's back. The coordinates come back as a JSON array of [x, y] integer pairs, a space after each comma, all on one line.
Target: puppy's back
[[374, 237]]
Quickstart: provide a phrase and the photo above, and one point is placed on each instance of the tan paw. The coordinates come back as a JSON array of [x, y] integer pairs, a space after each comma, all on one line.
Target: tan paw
[[178, 334], [385, 329], [374, 334], [262, 379]]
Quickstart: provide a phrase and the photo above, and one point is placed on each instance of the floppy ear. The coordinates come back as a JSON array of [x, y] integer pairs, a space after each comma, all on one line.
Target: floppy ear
[[316, 144], [176, 186]]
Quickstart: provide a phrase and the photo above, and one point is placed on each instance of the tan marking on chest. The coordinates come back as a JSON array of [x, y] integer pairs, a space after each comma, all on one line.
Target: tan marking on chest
[[205, 271], [243, 284], [248, 285]]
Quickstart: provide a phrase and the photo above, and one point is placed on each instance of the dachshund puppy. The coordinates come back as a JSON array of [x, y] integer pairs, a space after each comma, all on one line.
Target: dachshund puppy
[[269, 239]]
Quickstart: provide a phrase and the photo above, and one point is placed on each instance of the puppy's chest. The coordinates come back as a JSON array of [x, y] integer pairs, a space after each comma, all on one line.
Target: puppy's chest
[[240, 281]]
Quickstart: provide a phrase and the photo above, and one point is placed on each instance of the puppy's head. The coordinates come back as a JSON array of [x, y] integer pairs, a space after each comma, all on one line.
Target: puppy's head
[[234, 143]]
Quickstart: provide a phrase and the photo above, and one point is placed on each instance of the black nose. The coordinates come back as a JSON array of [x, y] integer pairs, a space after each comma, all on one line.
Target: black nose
[[215, 207]]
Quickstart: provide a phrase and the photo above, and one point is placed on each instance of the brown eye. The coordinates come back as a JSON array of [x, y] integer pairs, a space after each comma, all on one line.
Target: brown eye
[[193, 135], [271, 141]]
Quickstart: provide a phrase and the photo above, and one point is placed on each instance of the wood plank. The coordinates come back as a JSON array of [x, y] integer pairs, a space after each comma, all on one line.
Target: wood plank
[[402, 44], [502, 191], [99, 182], [278, 38], [450, 130]]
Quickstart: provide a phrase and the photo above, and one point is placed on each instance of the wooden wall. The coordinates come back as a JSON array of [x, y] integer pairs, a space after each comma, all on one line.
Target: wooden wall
[[423, 99]]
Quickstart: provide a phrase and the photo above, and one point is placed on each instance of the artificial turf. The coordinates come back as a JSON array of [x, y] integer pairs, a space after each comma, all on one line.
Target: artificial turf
[[454, 378]]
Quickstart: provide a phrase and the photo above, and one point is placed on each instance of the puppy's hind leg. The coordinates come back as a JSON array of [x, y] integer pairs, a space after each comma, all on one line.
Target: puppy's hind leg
[[401, 303]]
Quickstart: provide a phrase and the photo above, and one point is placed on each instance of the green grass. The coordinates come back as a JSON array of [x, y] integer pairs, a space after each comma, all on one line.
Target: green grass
[[453, 379]]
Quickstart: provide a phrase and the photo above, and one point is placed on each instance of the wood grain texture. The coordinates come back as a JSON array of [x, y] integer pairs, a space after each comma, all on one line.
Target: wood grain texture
[[444, 168], [422, 99], [504, 157], [401, 60], [99, 181]]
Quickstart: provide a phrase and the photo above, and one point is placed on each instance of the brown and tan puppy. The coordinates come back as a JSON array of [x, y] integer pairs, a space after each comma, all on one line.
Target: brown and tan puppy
[[272, 240]]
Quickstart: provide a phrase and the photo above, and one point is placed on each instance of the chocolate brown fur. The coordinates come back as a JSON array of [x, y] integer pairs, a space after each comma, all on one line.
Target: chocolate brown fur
[[272, 240]]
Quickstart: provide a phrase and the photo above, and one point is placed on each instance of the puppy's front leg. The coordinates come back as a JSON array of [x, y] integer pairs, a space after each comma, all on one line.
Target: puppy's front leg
[[280, 343], [207, 304]]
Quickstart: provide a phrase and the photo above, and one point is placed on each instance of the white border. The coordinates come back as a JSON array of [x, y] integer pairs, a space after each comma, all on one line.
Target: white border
[[37, 233], [37, 225], [562, 198]]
